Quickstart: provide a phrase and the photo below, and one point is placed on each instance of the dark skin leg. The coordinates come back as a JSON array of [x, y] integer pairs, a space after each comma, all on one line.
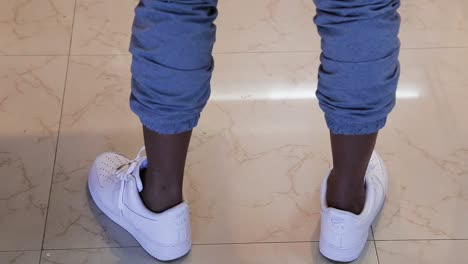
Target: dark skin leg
[[351, 155], [163, 179]]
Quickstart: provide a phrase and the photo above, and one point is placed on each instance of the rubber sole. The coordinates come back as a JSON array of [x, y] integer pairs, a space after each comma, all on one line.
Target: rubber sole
[[340, 255], [160, 252]]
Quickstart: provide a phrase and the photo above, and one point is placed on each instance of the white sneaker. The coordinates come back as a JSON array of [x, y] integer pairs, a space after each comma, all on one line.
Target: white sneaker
[[343, 235], [114, 183]]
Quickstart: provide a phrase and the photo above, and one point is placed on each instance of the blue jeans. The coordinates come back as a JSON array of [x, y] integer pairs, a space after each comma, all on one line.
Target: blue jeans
[[172, 42]]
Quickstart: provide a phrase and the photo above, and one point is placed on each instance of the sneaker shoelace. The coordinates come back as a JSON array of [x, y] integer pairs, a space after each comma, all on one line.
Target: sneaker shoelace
[[123, 173]]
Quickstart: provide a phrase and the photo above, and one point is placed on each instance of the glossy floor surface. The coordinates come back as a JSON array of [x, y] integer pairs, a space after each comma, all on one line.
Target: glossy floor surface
[[259, 153]]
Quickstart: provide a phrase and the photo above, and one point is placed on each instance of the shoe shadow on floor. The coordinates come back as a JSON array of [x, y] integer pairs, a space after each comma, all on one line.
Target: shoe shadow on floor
[[113, 232]]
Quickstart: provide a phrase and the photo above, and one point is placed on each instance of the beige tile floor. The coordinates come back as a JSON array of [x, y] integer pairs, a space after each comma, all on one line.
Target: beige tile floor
[[64, 78]]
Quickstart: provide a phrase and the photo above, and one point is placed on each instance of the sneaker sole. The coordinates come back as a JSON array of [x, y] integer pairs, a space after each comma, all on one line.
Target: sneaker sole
[[349, 255], [340, 255], [158, 251]]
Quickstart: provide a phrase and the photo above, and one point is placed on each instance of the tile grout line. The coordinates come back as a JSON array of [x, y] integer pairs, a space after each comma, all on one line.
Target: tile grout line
[[421, 239], [319, 50], [434, 48], [34, 55], [375, 244], [225, 243], [58, 132], [240, 243], [19, 250], [196, 244], [219, 53]]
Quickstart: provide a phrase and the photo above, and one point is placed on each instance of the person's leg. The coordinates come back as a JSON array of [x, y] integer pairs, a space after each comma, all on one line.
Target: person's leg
[[171, 45], [172, 64], [358, 77], [357, 82], [351, 155], [163, 178]]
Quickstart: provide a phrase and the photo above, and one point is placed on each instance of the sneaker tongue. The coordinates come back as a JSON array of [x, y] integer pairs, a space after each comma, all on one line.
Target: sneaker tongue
[[142, 163]]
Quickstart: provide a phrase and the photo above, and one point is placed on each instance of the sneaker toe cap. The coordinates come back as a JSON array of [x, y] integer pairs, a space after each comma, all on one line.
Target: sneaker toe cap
[[104, 167]]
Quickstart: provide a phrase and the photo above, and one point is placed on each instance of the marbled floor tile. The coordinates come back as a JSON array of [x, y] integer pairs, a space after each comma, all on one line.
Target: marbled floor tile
[[96, 118], [40, 27], [274, 253], [428, 23], [259, 154], [20, 257], [422, 252], [271, 25], [451, 84], [30, 101], [102, 27], [267, 116], [428, 171], [266, 25]]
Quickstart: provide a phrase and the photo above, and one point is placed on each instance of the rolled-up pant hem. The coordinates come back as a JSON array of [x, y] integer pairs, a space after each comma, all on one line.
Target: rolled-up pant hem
[[339, 126], [151, 121]]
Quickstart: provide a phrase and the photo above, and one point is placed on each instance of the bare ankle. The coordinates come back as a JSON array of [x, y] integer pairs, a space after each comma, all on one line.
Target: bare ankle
[[163, 179], [354, 206], [345, 195], [160, 201]]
